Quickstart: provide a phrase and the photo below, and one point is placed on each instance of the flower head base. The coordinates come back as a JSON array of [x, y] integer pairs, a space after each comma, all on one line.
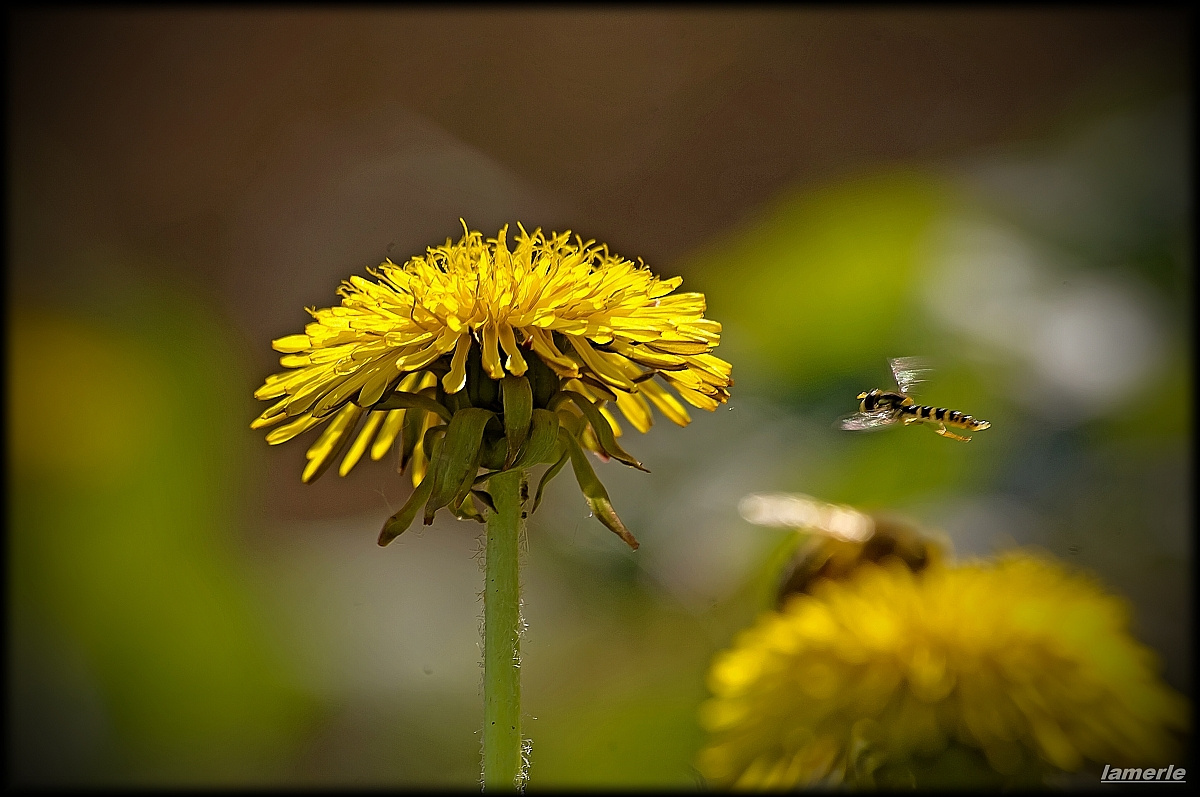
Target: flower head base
[[478, 356], [984, 674]]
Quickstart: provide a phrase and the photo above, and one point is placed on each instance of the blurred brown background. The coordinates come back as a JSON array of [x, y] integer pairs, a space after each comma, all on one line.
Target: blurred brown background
[[270, 153], [192, 179]]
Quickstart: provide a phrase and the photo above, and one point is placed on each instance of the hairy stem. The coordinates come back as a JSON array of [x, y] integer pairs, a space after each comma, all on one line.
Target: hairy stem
[[501, 643]]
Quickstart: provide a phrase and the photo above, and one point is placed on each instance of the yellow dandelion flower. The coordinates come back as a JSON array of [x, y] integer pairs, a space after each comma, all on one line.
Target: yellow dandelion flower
[[477, 355], [997, 673]]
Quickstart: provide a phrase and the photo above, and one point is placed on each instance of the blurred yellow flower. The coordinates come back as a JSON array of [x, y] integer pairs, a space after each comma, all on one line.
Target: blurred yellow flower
[[434, 336], [1000, 672]]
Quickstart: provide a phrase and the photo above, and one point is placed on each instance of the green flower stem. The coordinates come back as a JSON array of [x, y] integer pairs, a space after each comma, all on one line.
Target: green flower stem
[[501, 642]]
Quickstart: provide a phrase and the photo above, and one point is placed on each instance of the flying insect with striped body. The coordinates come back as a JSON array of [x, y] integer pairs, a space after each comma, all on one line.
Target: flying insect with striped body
[[881, 408]]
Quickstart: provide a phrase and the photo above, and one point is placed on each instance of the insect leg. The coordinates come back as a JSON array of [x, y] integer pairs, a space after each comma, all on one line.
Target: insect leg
[[944, 432]]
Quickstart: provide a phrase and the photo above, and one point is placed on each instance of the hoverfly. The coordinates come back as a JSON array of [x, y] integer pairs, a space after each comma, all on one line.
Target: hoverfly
[[838, 539], [881, 408]]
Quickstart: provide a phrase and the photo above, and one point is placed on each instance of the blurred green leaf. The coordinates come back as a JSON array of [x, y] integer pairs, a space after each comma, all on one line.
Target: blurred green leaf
[[126, 470], [821, 283]]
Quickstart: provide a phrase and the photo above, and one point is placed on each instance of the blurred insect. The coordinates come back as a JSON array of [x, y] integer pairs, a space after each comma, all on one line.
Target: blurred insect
[[836, 540], [881, 408]]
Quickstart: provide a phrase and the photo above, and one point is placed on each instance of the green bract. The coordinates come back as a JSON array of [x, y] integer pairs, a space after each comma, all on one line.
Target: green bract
[[482, 431]]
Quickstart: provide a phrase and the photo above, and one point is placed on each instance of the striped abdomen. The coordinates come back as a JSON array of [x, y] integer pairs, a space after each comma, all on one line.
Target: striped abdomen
[[942, 415]]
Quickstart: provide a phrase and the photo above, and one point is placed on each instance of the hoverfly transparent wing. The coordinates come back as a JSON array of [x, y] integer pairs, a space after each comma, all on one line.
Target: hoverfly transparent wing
[[909, 372], [866, 421]]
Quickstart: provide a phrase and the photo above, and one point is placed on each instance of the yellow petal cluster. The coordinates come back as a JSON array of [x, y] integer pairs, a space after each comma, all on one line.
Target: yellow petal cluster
[[1022, 665], [606, 326]]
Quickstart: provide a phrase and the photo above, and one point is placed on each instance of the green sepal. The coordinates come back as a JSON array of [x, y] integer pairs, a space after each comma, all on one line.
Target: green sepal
[[594, 492], [482, 389], [459, 451], [410, 431], [399, 522], [518, 406], [543, 381], [495, 449], [483, 477], [571, 422], [550, 473], [486, 498], [412, 401], [410, 427], [463, 492], [600, 427], [465, 509], [427, 441], [457, 401], [542, 441]]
